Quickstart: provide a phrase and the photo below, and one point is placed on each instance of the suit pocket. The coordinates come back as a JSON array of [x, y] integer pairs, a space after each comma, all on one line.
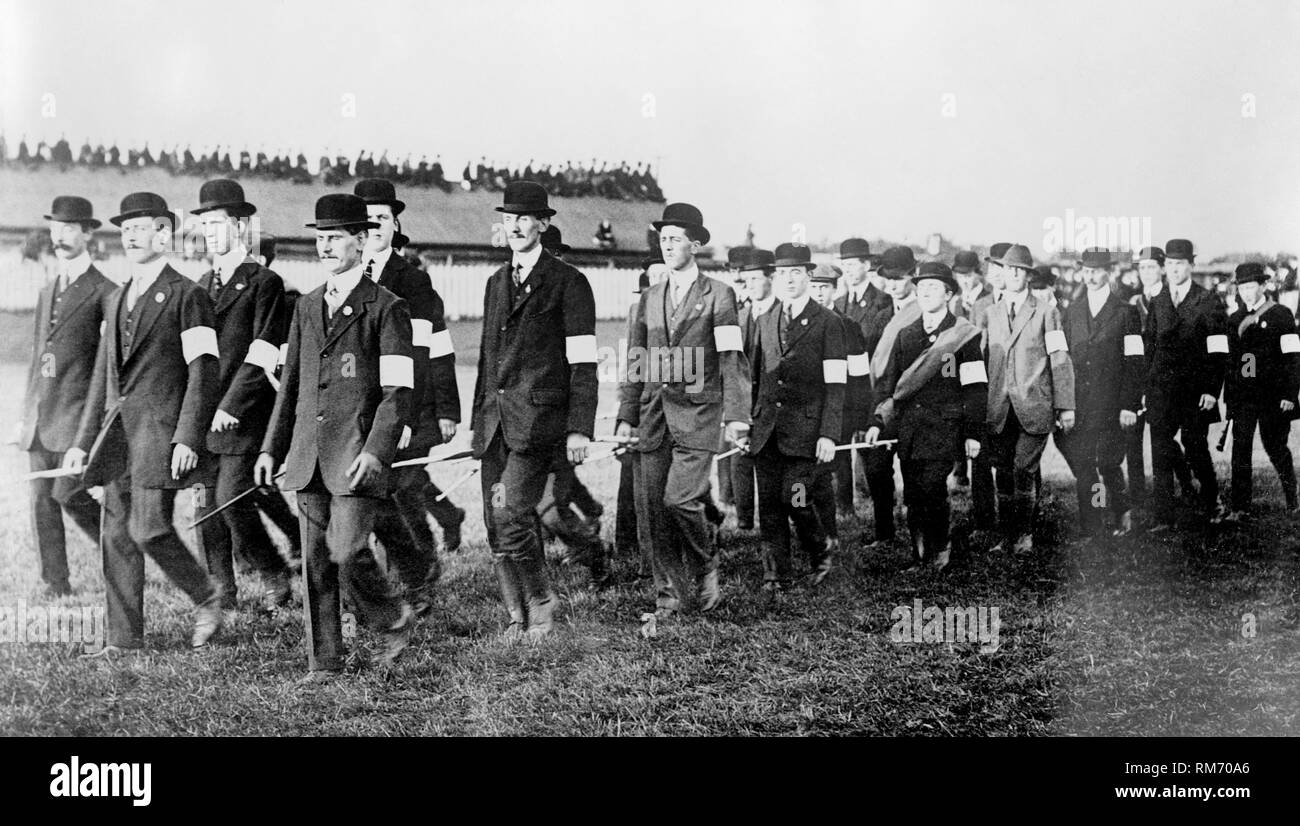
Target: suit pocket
[[548, 397], [704, 397]]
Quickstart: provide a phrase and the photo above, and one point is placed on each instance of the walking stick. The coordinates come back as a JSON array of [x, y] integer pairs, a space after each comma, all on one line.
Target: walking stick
[[450, 458], [462, 480], [232, 501], [1223, 439]]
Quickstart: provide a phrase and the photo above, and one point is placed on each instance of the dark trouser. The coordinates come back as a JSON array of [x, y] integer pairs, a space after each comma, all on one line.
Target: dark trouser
[[276, 508], [581, 534], [787, 492], [1092, 454], [1016, 456], [444, 511], [51, 498], [983, 494], [725, 496], [675, 481], [743, 485], [879, 470], [237, 533], [1274, 429], [1164, 452], [513, 483], [337, 563], [138, 521], [401, 526], [842, 475], [1135, 460], [625, 523], [824, 491], [641, 501], [925, 493]]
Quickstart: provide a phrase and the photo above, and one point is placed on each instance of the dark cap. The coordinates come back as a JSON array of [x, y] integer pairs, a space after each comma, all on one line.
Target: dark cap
[[341, 211], [1095, 257], [966, 261], [855, 248], [793, 255], [936, 271], [226, 194], [897, 262], [379, 191], [1152, 254], [143, 205], [553, 240], [760, 259], [826, 274], [687, 217], [1180, 248], [73, 209], [1250, 271], [1042, 277], [526, 198]]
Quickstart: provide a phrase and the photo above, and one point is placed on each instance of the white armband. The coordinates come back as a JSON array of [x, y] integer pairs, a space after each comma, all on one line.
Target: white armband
[[727, 337], [396, 371], [263, 354], [1134, 346], [835, 371], [440, 344], [284, 354], [1216, 343], [859, 365], [421, 332], [1290, 343], [198, 341], [580, 349], [1055, 340], [972, 372]]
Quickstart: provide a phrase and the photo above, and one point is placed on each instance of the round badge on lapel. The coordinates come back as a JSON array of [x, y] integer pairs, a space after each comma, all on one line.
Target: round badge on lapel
[[528, 288], [159, 297], [1263, 324], [239, 286], [804, 322], [347, 311], [933, 338]]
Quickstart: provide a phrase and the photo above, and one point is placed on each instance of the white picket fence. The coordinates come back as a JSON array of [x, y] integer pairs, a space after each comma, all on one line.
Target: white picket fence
[[460, 285]]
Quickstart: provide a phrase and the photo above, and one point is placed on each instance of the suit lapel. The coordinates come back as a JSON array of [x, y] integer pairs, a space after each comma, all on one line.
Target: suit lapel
[[114, 344], [692, 306], [44, 308], [532, 284], [353, 308], [1098, 323], [799, 325], [163, 286], [310, 306], [1022, 317], [232, 289]]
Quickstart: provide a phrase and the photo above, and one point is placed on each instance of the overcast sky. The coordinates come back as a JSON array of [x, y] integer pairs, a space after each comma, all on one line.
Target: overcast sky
[[979, 120]]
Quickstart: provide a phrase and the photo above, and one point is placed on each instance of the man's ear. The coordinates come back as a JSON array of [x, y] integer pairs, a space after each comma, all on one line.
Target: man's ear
[[545, 222]]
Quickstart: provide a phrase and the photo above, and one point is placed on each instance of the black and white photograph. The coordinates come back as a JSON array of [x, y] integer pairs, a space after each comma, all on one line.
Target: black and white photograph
[[675, 369]]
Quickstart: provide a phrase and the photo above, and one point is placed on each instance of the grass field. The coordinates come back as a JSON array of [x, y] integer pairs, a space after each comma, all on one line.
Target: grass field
[[1143, 637]]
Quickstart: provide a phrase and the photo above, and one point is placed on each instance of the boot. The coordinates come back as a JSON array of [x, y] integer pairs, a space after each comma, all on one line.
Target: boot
[[1289, 491], [1006, 524], [540, 598], [512, 596]]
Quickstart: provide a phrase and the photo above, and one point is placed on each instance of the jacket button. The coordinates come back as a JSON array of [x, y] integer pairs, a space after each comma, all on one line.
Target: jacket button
[[320, 418], [322, 386], [121, 398], [324, 355], [501, 391], [780, 382], [778, 404], [503, 329]]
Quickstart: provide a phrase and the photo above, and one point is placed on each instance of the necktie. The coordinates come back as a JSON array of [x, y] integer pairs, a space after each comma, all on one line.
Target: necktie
[[1011, 310], [1178, 297], [131, 294], [784, 328], [332, 300], [216, 281], [370, 269], [518, 274]]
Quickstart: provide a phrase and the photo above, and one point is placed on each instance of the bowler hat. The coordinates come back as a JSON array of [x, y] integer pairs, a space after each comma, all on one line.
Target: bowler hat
[[379, 191], [1180, 248], [687, 216], [526, 198], [553, 241], [1152, 254], [223, 194], [737, 256], [826, 274], [1017, 255], [73, 209], [793, 255], [855, 248], [143, 205], [937, 271], [997, 251], [1250, 271], [966, 261], [759, 259], [400, 239], [897, 262], [1042, 277], [1097, 257], [339, 210]]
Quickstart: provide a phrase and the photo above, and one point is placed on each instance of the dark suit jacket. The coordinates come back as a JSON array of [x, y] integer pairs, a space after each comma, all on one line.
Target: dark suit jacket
[[343, 391], [871, 313], [1188, 348], [1109, 360], [1265, 362], [251, 325], [801, 385], [537, 359], [63, 361], [857, 391], [932, 423], [749, 336], [164, 391], [692, 411]]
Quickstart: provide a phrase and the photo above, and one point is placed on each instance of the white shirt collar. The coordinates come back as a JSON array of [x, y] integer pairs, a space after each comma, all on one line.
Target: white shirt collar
[[797, 305], [931, 321], [381, 261], [527, 260], [345, 282], [1097, 298], [757, 307], [1180, 292], [142, 275], [681, 280], [859, 292], [226, 263], [1015, 300], [1258, 304], [74, 268]]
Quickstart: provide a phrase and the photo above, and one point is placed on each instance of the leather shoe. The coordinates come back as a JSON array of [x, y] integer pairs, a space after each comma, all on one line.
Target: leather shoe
[[451, 533], [822, 570], [710, 591], [1024, 544], [208, 621], [275, 590], [541, 616], [1125, 526], [398, 636]]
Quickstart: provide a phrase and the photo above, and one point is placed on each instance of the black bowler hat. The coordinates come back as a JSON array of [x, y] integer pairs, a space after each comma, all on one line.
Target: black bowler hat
[[1097, 257], [759, 259], [553, 241], [686, 216], [855, 248], [379, 191], [826, 274], [1180, 248], [1042, 277], [1250, 272], [73, 209], [526, 198], [1152, 254], [400, 240], [1017, 255], [997, 251], [966, 261], [223, 194], [737, 256], [342, 211], [143, 205], [937, 271], [897, 262], [793, 255]]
